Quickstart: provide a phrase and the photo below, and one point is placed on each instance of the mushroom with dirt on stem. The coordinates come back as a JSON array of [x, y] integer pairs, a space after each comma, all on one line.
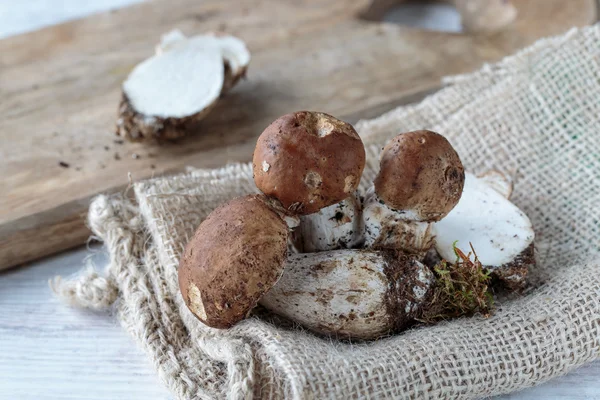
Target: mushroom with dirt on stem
[[359, 294], [170, 92], [420, 180]]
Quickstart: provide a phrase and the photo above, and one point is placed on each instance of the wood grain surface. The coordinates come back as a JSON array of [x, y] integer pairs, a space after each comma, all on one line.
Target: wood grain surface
[[60, 89]]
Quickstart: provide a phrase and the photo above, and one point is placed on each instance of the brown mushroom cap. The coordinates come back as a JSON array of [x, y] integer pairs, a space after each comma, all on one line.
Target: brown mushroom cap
[[420, 172], [308, 160], [236, 255]]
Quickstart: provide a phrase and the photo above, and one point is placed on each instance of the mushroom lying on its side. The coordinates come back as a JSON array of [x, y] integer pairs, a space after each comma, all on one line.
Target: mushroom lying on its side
[[420, 180], [500, 233], [358, 294], [334, 227], [173, 90]]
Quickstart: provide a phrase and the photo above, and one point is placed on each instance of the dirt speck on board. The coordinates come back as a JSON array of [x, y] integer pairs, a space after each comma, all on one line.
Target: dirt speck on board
[[118, 141], [135, 156], [64, 164], [117, 156]]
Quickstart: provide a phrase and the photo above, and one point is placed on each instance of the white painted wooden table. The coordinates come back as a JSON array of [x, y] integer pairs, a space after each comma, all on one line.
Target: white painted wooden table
[[51, 351]]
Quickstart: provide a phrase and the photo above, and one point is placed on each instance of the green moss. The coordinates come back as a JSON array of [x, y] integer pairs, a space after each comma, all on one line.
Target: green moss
[[461, 288]]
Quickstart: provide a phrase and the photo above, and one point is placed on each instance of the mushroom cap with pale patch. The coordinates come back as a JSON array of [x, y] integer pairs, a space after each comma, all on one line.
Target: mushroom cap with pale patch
[[308, 160], [420, 174], [236, 255]]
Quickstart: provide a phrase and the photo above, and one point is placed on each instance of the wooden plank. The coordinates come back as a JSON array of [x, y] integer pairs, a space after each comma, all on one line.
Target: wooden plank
[[60, 89]]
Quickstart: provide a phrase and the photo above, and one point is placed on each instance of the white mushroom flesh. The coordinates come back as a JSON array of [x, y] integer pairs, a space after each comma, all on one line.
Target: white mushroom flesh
[[186, 76], [335, 227], [393, 229], [497, 229]]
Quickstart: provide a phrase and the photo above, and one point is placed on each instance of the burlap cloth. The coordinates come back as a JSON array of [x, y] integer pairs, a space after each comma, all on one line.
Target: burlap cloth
[[534, 115]]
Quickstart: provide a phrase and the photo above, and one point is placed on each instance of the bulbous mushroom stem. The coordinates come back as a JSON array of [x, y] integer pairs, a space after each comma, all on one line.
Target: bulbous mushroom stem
[[351, 293]]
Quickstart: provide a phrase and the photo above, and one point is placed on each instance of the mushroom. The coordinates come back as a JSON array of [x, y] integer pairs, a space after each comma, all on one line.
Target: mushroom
[[236, 255], [500, 233], [308, 161], [360, 294], [420, 180], [334, 227], [170, 92]]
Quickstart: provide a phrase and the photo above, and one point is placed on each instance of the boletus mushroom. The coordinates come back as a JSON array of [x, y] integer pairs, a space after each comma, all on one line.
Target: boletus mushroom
[[420, 180], [308, 161], [236, 255]]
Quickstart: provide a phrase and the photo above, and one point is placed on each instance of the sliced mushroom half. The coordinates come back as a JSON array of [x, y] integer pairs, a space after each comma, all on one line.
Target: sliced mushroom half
[[501, 234]]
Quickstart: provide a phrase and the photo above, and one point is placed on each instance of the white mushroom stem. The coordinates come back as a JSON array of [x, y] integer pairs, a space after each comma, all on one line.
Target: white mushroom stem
[[335, 227], [394, 229], [351, 293], [500, 233]]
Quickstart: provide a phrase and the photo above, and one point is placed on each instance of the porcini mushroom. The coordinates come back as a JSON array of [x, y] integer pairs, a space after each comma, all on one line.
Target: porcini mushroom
[[338, 226], [359, 294], [236, 255], [420, 180], [168, 93], [501, 234], [308, 161]]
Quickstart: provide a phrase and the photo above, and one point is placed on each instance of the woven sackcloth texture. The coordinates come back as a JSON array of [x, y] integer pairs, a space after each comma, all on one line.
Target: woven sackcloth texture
[[535, 116]]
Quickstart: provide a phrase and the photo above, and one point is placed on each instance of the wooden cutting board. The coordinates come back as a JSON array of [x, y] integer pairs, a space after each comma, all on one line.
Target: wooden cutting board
[[60, 87]]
